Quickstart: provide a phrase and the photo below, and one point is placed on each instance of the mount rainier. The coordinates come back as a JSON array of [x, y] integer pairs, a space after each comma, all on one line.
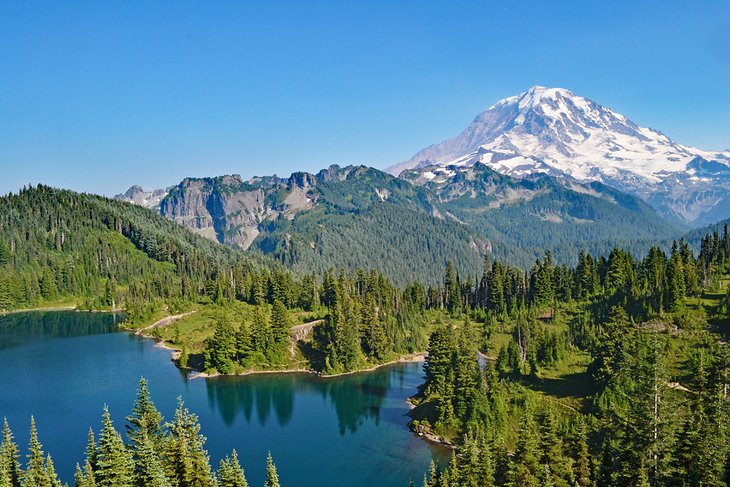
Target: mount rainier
[[554, 131]]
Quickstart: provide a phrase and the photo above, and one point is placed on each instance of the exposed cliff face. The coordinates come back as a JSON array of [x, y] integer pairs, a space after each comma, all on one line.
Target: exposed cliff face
[[139, 196], [230, 210], [412, 225]]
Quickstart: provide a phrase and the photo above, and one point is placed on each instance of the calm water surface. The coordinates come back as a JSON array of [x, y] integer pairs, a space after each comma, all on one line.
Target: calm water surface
[[63, 367]]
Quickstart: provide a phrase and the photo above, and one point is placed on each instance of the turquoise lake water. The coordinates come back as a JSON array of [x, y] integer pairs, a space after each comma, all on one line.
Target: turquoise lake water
[[62, 367]]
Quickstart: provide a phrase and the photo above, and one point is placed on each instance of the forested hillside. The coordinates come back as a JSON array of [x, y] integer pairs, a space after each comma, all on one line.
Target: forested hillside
[[57, 244], [408, 227], [616, 372], [525, 217]]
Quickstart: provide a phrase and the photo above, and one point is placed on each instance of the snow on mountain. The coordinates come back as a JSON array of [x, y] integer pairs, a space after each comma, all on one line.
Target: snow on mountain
[[148, 198], [554, 131]]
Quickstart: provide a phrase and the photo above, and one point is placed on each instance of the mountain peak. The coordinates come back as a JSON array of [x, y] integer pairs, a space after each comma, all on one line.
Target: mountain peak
[[556, 132]]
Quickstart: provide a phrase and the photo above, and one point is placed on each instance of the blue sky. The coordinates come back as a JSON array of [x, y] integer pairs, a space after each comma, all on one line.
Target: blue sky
[[96, 96]]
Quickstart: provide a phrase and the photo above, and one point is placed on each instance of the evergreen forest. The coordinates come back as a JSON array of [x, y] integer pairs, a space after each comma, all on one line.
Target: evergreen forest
[[614, 371]]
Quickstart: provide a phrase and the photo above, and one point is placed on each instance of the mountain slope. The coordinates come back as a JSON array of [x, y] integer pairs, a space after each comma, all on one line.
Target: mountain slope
[[148, 198], [409, 227], [541, 212], [104, 253], [555, 132], [341, 217]]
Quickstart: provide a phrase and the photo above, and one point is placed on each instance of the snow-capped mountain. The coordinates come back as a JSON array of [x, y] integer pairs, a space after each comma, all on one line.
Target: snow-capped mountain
[[148, 198], [554, 131]]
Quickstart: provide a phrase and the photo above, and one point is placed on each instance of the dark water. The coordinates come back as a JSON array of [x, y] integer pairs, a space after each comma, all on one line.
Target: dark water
[[63, 367]]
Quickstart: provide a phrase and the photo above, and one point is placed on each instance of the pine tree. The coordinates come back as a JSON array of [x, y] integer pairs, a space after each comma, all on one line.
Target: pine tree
[[51, 473], [452, 289], [272, 477], [10, 472], [187, 463], [221, 347], [92, 453], [553, 455], [675, 280], [115, 463], [79, 480], [279, 322], [230, 473], [582, 457], [85, 477], [36, 473], [149, 470], [526, 470], [145, 422]]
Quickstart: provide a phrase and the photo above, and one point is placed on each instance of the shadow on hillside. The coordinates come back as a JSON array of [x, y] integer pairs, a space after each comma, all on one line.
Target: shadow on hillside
[[577, 385]]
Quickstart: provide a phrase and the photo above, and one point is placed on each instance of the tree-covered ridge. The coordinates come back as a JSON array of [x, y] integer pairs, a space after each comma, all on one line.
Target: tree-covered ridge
[[515, 220], [154, 454], [357, 216], [60, 244], [615, 372]]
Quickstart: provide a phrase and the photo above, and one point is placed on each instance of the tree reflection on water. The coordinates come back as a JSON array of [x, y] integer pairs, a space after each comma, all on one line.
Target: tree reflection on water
[[355, 398]]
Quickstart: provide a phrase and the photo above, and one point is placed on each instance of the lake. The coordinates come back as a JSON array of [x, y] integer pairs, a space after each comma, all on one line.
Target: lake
[[62, 367]]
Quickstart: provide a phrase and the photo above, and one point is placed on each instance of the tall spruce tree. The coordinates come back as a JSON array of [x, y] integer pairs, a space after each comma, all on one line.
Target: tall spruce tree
[[272, 476], [115, 463], [145, 422], [10, 471], [187, 462], [230, 473]]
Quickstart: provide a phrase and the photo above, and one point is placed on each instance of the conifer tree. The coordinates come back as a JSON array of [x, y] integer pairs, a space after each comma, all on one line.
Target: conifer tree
[[230, 473], [149, 471], [582, 468], [92, 453], [145, 422], [553, 454], [115, 463], [272, 477], [79, 480], [36, 473], [675, 280], [85, 477], [526, 470], [10, 471], [279, 322], [188, 463], [53, 479]]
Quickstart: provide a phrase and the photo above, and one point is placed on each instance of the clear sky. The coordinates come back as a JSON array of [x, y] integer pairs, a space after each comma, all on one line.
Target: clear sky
[[97, 96]]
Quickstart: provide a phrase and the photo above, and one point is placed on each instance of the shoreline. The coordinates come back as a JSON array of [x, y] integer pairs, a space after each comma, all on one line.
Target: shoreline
[[167, 320], [70, 307], [410, 358], [426, 434], [197, 374]]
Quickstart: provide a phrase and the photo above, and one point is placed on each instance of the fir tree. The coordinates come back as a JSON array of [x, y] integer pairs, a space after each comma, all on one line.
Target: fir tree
[[188, 463], [230, 473], [272, 477], [149, 470], [279, 322], [10, 471], [526, 470], [145, 422], [36, 473], [115, 463]]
